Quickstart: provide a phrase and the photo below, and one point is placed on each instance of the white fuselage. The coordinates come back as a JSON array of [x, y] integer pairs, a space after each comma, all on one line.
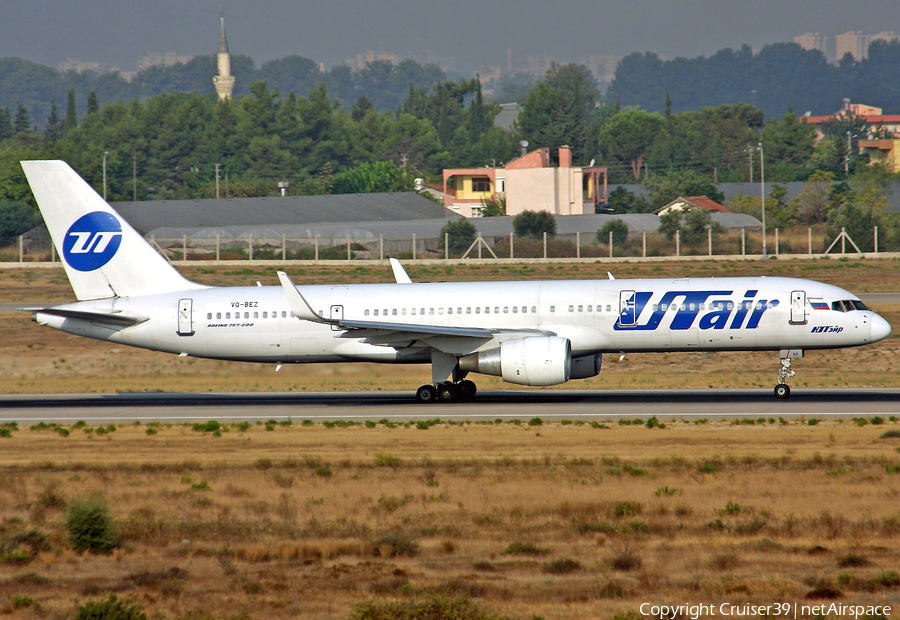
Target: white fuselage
[[714, 314]]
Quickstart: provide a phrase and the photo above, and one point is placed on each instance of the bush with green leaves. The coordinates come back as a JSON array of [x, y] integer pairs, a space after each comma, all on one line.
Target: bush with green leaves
[[110, 608], [619, 230], [533, 224], [460, 235], [90, 526]]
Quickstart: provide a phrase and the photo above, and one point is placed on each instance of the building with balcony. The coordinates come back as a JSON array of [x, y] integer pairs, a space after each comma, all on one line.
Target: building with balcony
[[528, 183]]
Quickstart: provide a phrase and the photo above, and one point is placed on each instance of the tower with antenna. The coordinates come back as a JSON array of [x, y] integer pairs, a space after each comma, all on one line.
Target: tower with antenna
[[224, 82]]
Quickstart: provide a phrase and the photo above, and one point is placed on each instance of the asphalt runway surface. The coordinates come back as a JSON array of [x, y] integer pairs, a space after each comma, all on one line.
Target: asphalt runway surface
[[492, 404]]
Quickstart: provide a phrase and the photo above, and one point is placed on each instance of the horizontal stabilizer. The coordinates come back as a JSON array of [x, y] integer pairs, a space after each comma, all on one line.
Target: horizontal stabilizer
[[118, 319]]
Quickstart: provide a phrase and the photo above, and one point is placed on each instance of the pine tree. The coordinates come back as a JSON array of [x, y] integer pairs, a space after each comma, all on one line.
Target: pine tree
[[71, 121], [54, 128], [22, 124], [92, 105], [477, 115], [6, 129]]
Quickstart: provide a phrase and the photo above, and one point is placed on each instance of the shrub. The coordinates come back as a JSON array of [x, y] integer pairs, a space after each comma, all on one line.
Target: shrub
[[891, 434], [562, 566], [535, 422], [209, 427], [459, 608], [533, 224], [461, 233], [889, 579], [666, 491], [387, 460], [396, 545], [627, 509], [522, 548], [20, 601], [626, 561], [619, 230], [5, 432], [852, 561], [110, 608], [90, 526]]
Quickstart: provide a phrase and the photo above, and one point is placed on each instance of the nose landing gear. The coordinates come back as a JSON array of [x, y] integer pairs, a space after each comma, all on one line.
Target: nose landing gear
[[783, 390]]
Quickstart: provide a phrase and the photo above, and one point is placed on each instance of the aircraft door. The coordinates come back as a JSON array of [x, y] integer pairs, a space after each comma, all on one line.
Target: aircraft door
[[798, 307], [627, 313], [185, 317], [337, 314]]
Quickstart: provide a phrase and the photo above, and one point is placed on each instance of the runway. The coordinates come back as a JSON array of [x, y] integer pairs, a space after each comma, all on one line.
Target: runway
[[401, 406]]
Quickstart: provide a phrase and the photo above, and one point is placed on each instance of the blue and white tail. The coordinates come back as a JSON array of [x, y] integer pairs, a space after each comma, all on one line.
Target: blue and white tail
[[103, 255]]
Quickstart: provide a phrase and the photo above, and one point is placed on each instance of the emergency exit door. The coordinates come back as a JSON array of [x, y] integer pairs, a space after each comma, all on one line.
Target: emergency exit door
[[185, 317], [798, 307], [337, 314]]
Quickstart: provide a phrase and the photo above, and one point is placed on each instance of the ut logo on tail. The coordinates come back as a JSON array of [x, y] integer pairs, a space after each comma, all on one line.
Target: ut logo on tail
[[92, 241]]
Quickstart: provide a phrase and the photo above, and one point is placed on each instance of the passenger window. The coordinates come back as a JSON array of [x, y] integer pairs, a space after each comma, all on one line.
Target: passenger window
[[571, 308], [505, 309], [468, 310], [730, 305], [218, 315], [524, 309], [496, 309], [376, 312], [422, 311], [487, 310], [366, 313], [266, 314], [403, 311], [393, 311], [662, 307], [515, 309], [385, 312], [552, 308], [533, 309], [609, 308], [581, 308], [655, 307], [246, 315], [478, 310], [256, 315], [450, 310], [590, 308], [431, 311], [227, 315], [291, 314], [413, 312], [693, 307], [209, 315], [441, 310]]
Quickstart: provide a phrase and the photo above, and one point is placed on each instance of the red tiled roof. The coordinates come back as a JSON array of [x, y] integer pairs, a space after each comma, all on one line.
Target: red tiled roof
[[706, 203], [872, 119]]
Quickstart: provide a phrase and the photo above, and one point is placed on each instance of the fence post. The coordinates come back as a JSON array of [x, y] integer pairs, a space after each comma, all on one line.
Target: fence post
[[677, 243], [21, 250], [776, 242], [283, 247], [709, 239], [446, 246], [348, 247], [545, 244], [479, 245], [743, 241], [610, 244], [644, 253], [381, 246], [511, 252], [250, 245], [317, 248], [809, 235], [414, 247], [843, 239], [217, 247], [876, 240], [183, 247], [577, 244]]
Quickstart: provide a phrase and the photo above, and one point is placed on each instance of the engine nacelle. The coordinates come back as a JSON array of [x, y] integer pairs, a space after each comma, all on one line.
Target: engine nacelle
[[539, 360], [586, 366]]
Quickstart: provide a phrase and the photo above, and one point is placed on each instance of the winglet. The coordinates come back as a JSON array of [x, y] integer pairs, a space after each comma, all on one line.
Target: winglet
[[611, 276], [299, 306], [400, 274]]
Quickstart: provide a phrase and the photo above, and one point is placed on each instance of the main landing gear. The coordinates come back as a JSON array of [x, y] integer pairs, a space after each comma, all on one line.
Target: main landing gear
[[783, 390], [447, 392]]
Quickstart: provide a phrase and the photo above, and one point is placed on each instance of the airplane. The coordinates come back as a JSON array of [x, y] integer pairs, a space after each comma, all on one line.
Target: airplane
[[529, 333]]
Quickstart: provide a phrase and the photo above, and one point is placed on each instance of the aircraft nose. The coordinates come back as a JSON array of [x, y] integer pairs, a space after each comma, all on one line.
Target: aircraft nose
[[881, 329]]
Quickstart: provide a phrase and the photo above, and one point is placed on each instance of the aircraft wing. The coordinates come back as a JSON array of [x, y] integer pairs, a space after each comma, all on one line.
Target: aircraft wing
[[400, 335]]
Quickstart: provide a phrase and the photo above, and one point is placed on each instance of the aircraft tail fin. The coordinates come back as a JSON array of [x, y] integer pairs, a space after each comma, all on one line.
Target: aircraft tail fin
[[102, 254]]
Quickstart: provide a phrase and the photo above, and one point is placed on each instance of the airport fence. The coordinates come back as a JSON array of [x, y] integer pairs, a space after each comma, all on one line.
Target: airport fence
[[743, 242]]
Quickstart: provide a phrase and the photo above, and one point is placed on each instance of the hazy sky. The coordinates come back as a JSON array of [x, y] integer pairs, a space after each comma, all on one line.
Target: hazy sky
[[470, 34]]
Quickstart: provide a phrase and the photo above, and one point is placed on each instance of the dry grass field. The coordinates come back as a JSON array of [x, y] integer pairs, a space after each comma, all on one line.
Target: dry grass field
[[448, 520], [554, 520]]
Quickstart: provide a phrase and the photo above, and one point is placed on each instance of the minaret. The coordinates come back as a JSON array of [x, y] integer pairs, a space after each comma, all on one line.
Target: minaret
[[224, 82]]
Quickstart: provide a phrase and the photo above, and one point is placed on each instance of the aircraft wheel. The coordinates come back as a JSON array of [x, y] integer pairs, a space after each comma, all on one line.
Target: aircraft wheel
[[782, 390], [467, 390], [425, 394], [446, 393]]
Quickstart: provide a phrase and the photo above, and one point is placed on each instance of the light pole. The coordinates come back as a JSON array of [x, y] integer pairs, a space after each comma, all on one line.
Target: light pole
[[762, 195], [849, 152], [105, 153]]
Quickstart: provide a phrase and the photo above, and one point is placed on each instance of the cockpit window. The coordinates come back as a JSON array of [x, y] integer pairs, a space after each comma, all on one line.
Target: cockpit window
[[848, 305]]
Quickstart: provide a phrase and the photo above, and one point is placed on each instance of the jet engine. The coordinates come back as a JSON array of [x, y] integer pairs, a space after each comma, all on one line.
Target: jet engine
[[586, 366], [539, 360]]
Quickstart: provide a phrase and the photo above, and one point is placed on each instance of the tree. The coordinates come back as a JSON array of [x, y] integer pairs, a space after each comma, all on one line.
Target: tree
[[788, 145], [619, 230], [461, 233], [6, 128], [381, 176], [495, 206], [663, 189], [71, 114], [533, 224], [92, 104], [628, 135], [361, 107], [16, 218], [692, 225], [623, 201], [54, 128], [814, 202], [22, 122]]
